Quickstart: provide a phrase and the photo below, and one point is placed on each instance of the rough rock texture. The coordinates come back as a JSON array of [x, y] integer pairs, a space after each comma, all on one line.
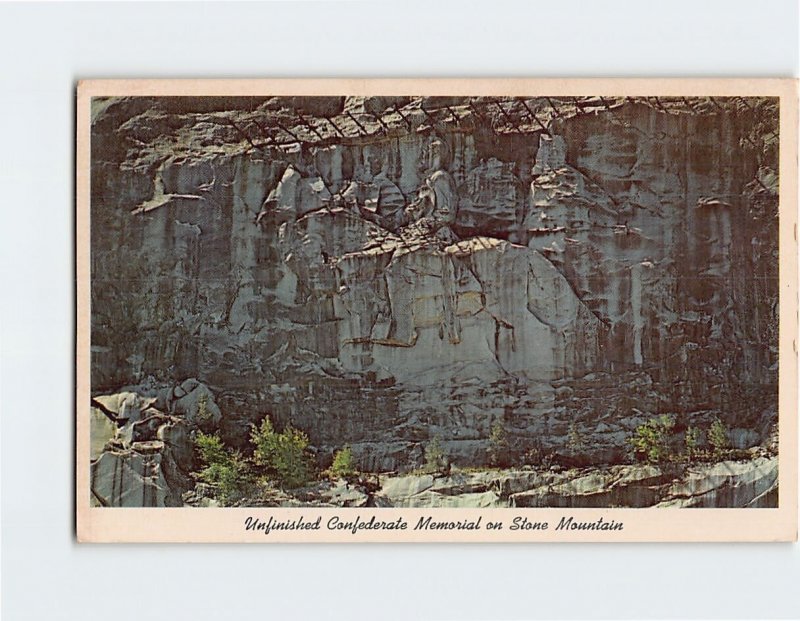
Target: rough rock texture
[[147, 458], [728, 484], [141, 457], [751, 483], [381, 271]]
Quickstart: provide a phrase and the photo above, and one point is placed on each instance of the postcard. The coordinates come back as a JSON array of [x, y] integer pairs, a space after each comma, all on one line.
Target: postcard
[[496, 310]]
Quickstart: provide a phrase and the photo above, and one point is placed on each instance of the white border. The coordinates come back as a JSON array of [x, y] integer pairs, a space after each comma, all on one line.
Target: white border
[[101, 524]]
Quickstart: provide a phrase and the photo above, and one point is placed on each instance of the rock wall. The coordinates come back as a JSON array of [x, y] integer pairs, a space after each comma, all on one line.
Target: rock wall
[[382, 271], [142, 451], [735, 484], [725, 484]]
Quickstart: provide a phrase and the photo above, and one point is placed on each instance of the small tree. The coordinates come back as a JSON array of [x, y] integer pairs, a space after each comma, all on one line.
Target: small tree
[[343, 463], [718, 438], [650, 441], [203, 415], [284, 455], [435, 460], [226, 470], [499, 450], [691, 442], [575, 442]]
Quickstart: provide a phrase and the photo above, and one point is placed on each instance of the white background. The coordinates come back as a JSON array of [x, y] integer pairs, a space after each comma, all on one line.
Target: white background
[[45, 49]]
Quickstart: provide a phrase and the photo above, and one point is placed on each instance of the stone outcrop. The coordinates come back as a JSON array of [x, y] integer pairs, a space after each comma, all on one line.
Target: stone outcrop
[[725, 484], [148, 457], [133, 478], [142, 456], [382, 271], [739, 484]]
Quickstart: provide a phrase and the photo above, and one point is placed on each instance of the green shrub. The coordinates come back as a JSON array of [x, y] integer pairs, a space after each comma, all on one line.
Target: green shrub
[[435, 459], [342, 466], [575, 442], [718, 438], [226, 470], [284, 455], [651, 440], [691, 442], [203, 415], [499, 450]]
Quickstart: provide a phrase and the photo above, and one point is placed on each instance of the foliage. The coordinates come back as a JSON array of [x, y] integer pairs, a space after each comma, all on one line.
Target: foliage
[[223, 468], [575, 442], [284, 455], [651, 440], [435, 459], [718, 438], [203, 415], [691, 441], [343, 463], [499, 449], [534, 456]]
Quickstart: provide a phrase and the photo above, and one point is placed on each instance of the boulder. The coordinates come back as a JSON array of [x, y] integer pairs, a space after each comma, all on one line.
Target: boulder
[[727, 484], [344, 494], [143, 457], [102, 430], [126, 406], [195, 401], [133, 478]]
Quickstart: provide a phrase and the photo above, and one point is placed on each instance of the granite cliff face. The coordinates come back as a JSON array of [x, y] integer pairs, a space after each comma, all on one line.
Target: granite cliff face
[[382, 271]]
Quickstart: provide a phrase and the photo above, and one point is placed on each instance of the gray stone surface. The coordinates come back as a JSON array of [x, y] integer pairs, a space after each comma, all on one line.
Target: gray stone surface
[[727, 484], [383, 280], [139, 461]]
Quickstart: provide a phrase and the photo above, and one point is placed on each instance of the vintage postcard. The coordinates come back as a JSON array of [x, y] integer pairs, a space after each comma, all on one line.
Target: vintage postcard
[[436, 310]]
